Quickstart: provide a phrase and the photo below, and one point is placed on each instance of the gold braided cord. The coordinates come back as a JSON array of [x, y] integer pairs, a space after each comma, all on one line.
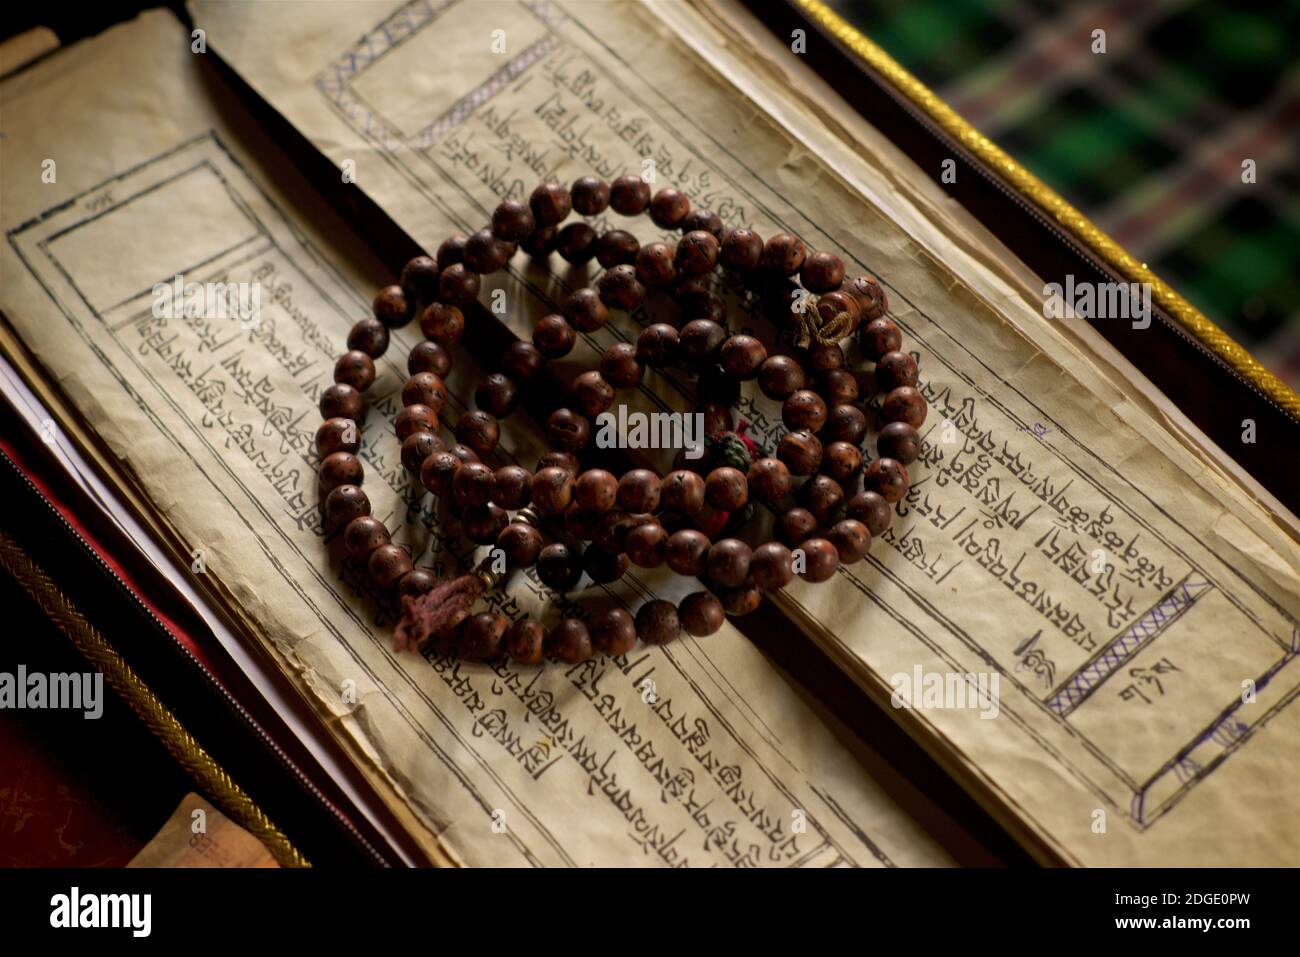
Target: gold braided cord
[[157, 718], [1196, 324]]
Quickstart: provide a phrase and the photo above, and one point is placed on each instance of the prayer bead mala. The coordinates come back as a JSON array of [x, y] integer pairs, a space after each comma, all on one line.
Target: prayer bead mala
[[615, 514]]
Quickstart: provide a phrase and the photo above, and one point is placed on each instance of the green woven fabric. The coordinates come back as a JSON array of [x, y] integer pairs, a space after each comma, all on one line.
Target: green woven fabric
[[1148, 138]]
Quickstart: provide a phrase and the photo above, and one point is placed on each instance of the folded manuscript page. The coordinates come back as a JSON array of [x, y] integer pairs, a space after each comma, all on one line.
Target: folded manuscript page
[[1118, 618], [127, 164]]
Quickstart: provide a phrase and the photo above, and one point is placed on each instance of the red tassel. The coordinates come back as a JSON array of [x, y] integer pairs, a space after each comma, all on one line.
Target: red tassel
[[435, 613]]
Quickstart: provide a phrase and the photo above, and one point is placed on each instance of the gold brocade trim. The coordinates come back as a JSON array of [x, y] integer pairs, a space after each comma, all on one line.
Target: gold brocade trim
[[1196, 324], [157, 718]]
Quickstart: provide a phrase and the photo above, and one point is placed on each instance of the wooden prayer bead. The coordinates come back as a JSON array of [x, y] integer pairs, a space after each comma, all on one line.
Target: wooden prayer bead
[[741, 356], [512, 486], [804, 410], [645, 545], [414, 418], [820, 559], [742, 250], [839, 387], [703, 305], [513, 221], [485, 253], [576, 243], [701, 614], [768, 479], [387, 564], [497, 394], [845, 423], [620, 289], [894, 369], [341, 401], [525, 641], [830, 305], [741, 600], [727, 562], [682, 491], [438, 471], [590, 196], [458, 285], [821, 272], [657, 622], [464, 453], [343, 504], [795, 525], [871, 509], [726, 489], [541, 242], [613, 631], [418, 447], [780, 377], [717, 418], [616, 247], [686, 551], [483, 523], [872, 297], [769, 567], [784, 254], [416, 582], [554, 337], [638, 491], [482, 636], [596, 490], [697, 253], [801, 451], [370, 336], [419, 279], [550, 203], [841, 461], [612, 529], [879, 337], [592, 394], [669, 207], [702, 219], [555, 459], [899, 441], [479, 430], [451, 251], [585, 310], [888, 477], [425, 388], [338, 435], [823, 356], [340, 468], [604, 567], [569, 641], [904, 405], [700, 340], [657, 345], [552, 490], [629, 195], [443, 324], [851, 539], [472, 484], [391, 306], [364, 534], [655, 266], [522, 360], [559, 566], [429, 356], [568, 431], [822, 496], [619, 366]]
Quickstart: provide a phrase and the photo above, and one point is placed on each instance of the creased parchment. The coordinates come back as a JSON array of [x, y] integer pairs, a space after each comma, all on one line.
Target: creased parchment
[[1136, 607], [128, 165]]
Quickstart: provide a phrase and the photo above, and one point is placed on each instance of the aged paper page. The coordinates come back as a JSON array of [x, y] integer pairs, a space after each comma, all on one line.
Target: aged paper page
[[699, 754], [1136, 609]]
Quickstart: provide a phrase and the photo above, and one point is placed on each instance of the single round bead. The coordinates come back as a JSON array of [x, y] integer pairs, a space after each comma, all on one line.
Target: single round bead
[[442, 323], [497, 394], [616, 247], [629, 195], [525, 641], [613, 631], [370, 336], [899, 441], [340, 468], [419, 279], [559, 566], [592, 394], [879, 337], [657, 346], [726, 489], [872, 297], [822, 357], [646, 545], [804, 410], [845, 423], [686, 551], [821, 272], [740, 600], [700, 340], [391, 307], [839, 387], [416, 582], [841, 461], [418, 447], [717, 418], [654, 265], [596, 490], [904, 405], [768, 479], [702, 305], [522, 360], [568, 430], [795, 526], [682, 491], [552, 490], [458, 285], [590, 196], [560, 460], [697, 253], [784, 254], [414, 418], [612, 529], [801, 451], [483, 523], [822, 496], [541, 242], [464, 453], [851, 539], [438, 472], [513, 221], [702, 219], [481, 637], [728, 562], [585, 310], [638, 491], [387, 564], [831, 305], [485, 253], [479, 430], [451, 251], [871, 509], [554, 336], [888, 477], [619, 366], [343, 505], [742, 250], [604, 567], [669, 207], [820, 559], [741, 356], [895, 369], [338, 435], [550, 204], [769, 567], [341, 401], [429, 356], [569, 641], [425, 388], [701, 614], [472, 485], [657, 622], [363, 535], [576, 242], [620, 289], [512, 486], [780, 377]]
